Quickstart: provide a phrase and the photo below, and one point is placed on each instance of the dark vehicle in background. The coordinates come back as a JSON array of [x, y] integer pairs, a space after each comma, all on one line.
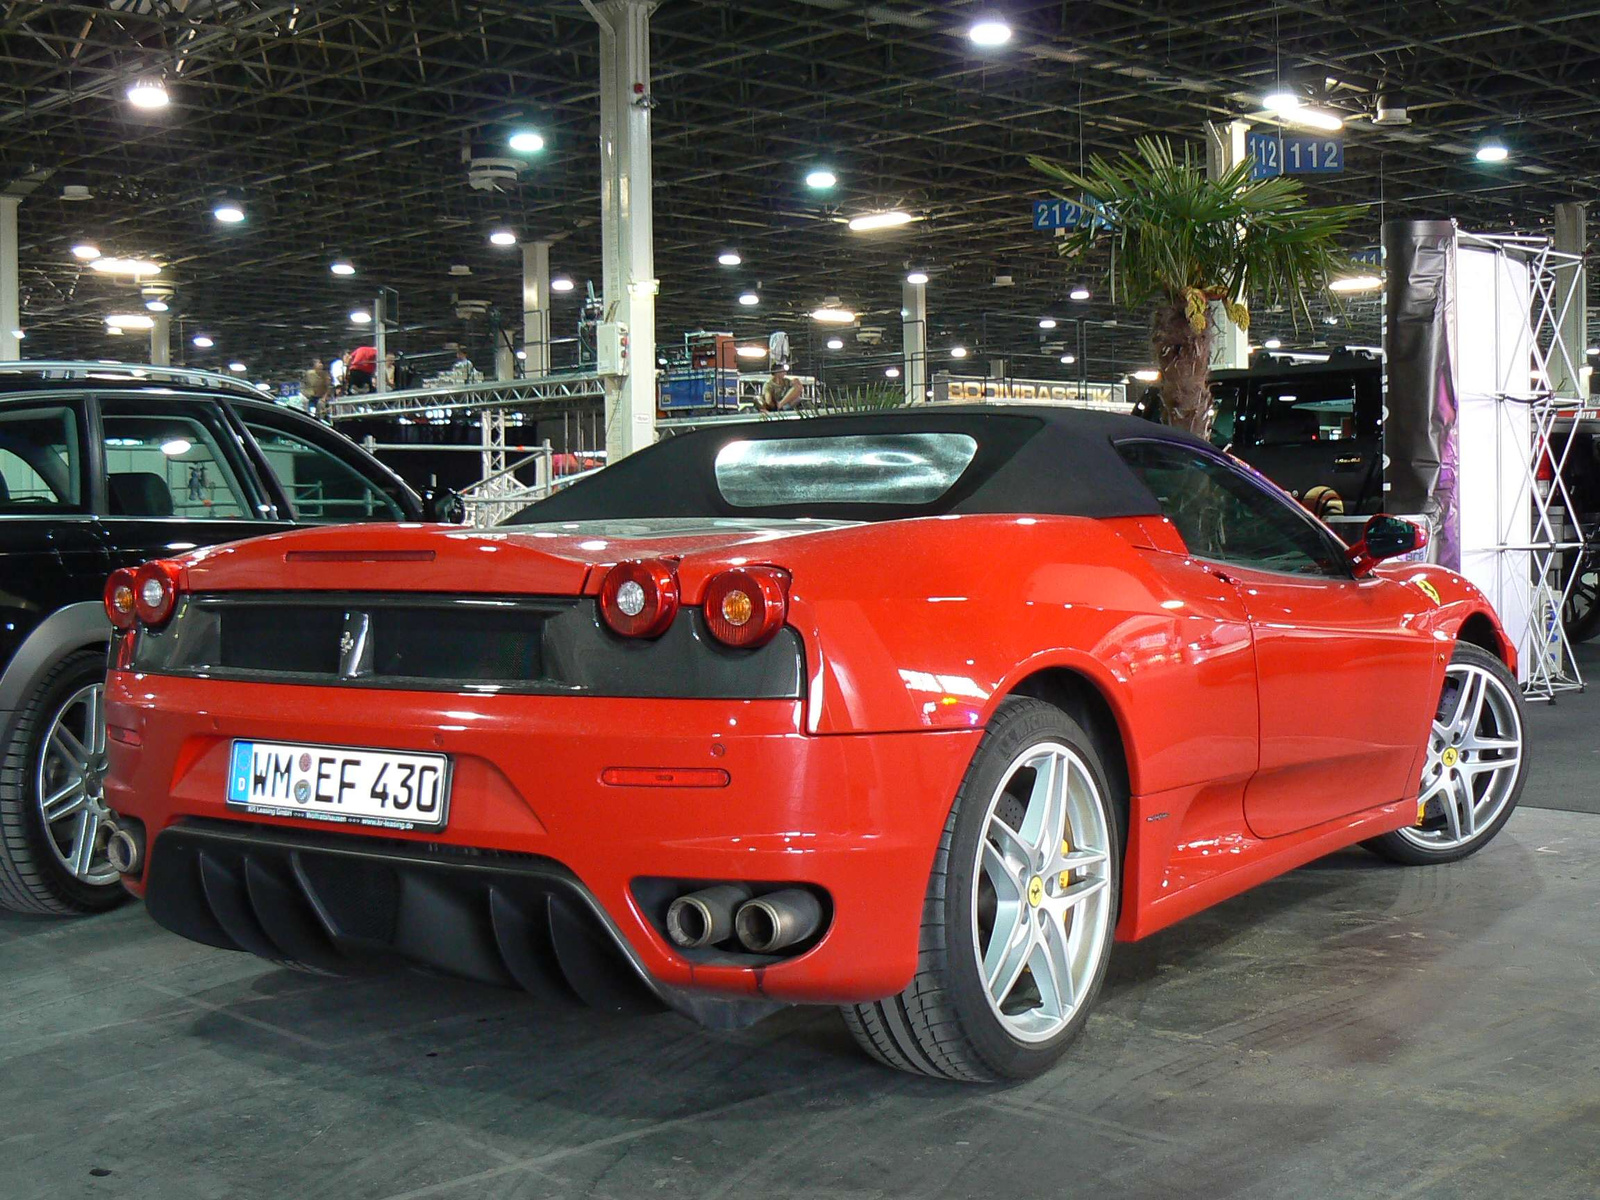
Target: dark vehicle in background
[[107, 466], [1308, 426]]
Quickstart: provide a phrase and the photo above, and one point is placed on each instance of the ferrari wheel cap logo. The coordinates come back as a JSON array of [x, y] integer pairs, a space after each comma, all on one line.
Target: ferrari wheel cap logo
[[1450, 756], [1035, 891]]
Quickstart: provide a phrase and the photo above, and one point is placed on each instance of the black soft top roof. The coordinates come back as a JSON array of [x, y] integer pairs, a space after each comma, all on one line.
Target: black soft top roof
[[1043, 460]]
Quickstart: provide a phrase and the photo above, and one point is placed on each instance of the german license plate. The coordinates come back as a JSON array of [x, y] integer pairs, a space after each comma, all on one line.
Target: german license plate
[[388, 788]]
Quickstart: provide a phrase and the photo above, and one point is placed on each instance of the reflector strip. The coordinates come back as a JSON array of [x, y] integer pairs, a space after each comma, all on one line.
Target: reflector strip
[[683, 777]]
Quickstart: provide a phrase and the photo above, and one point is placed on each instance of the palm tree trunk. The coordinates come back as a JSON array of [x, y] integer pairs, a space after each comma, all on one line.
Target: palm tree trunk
[[1183, 353]]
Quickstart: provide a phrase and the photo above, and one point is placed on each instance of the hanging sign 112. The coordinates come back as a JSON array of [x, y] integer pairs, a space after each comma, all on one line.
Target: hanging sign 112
[[1278, 154]]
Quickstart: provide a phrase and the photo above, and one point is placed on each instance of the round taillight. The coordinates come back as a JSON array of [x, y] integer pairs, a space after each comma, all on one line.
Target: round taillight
[[745, 607], [119, 598], [639, 599], [155, 591]]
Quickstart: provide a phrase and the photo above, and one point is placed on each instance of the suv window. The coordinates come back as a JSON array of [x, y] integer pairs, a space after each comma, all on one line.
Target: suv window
[[167, 465], [1297, 412], [40, 471], [1224, 515], [320, 485]]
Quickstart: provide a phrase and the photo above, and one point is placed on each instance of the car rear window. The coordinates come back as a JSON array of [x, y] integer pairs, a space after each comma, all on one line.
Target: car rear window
[[872, 468]]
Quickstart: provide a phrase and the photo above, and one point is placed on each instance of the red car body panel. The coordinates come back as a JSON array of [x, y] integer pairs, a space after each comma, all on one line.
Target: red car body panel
[[1265, 720]]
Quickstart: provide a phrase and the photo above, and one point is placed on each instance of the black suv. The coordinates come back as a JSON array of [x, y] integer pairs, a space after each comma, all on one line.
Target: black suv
[[104, 467]]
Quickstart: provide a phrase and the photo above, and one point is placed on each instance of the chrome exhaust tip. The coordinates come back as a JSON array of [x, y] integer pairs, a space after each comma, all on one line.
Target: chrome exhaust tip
[[775, 921], [706, 917], [124, 851]]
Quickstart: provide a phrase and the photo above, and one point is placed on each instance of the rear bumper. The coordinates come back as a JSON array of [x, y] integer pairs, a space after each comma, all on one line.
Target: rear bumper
[[858, 816]]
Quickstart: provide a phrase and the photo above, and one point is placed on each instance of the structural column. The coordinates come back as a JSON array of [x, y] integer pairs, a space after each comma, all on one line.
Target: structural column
[[10, 287], [1567, 358], [536, 307], [1224, 152], [626, 219], [380, 342], [161, 341], [914, 340]]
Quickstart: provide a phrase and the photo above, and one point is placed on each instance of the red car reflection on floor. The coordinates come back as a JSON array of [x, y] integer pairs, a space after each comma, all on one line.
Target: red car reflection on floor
[[913, 713]]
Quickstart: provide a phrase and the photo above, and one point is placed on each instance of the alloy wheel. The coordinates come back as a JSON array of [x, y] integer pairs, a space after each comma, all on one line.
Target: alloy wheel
[[1041, 912], [1474, 758], [69, 786]]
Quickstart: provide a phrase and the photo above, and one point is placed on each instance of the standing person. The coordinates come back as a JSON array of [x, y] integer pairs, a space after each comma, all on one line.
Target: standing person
[[779, 392], [461, 372], [315, 385], [360, 367]]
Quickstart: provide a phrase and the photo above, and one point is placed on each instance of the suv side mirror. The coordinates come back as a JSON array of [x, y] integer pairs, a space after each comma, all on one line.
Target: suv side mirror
[[1385, 537], [443, 505]]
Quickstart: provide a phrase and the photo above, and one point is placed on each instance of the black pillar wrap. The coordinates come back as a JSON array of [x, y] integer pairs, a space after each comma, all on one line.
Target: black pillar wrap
[[1419, 433]]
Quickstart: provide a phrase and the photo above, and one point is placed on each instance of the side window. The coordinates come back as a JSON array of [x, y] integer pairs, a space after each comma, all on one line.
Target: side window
[[1225, 414], [322, 486], [40, 467], [1223, 515], [167, 464], [1297, 412]]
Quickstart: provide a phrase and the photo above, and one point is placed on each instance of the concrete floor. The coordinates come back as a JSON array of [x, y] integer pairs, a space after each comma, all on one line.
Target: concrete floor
[[1350, 1030]]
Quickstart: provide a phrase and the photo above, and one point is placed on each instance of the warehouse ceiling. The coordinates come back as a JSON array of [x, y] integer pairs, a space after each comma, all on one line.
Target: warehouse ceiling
[[341, 129]]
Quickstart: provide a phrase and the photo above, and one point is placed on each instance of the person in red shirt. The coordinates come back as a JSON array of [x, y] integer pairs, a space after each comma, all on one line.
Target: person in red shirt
[[360, 364]]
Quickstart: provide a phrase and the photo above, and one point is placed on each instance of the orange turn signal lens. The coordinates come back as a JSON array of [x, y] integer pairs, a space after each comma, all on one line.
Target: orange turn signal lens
[[119, 598], [746, 606]]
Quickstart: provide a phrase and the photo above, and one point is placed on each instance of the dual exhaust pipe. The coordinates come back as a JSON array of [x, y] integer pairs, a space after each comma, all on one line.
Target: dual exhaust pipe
[[762, 924]]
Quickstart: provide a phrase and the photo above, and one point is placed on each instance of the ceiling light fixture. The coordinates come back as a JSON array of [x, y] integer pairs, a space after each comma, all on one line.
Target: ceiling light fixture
[[892, 372], [176, 446], [1147, 375], [126, 266], [341, 267], [85, 251], [114, 330], [1079, 293], [1312, 118], [202, 342], [835, 343], [833, 316], [561, 284], [958, 352], [820, 179], [237, 366], [1068, 359], [883, 220], [526, 141], [148, 93], [729, 258], [361, 317], [751, 351], [131, 321], [917, 277], [1493, 150], [229, 212], [1281, 99], [503, 237], [989, 31], [1047, 323], [1272, 344], [749, 299], [157, 306], [1356, 283]]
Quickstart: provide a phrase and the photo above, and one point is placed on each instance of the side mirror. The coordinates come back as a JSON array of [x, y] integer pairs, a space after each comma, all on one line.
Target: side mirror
[[443, 505], [1385, 537]]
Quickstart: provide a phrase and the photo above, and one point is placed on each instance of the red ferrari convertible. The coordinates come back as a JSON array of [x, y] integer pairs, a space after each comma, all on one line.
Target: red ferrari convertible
[[913, 713]]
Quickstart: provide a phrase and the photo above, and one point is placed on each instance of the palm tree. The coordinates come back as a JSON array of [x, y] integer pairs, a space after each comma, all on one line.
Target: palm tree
[[1180, 241]]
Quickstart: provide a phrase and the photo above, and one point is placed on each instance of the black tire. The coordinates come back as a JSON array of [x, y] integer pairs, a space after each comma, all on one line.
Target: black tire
[[943, 1024], [1403, 846], [32, 878]]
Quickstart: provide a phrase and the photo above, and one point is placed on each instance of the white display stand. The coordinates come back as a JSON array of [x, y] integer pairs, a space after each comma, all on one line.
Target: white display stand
[[1511, 294]]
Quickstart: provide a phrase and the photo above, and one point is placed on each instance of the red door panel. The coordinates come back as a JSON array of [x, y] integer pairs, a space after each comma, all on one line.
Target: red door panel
[[1346, 679]]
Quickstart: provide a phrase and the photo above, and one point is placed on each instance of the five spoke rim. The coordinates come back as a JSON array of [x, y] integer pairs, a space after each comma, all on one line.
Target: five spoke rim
[[1474, 759], [68, 786], [1041, 904]]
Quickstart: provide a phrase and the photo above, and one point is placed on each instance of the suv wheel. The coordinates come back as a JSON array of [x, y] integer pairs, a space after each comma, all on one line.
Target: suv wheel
[[53, 819]]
